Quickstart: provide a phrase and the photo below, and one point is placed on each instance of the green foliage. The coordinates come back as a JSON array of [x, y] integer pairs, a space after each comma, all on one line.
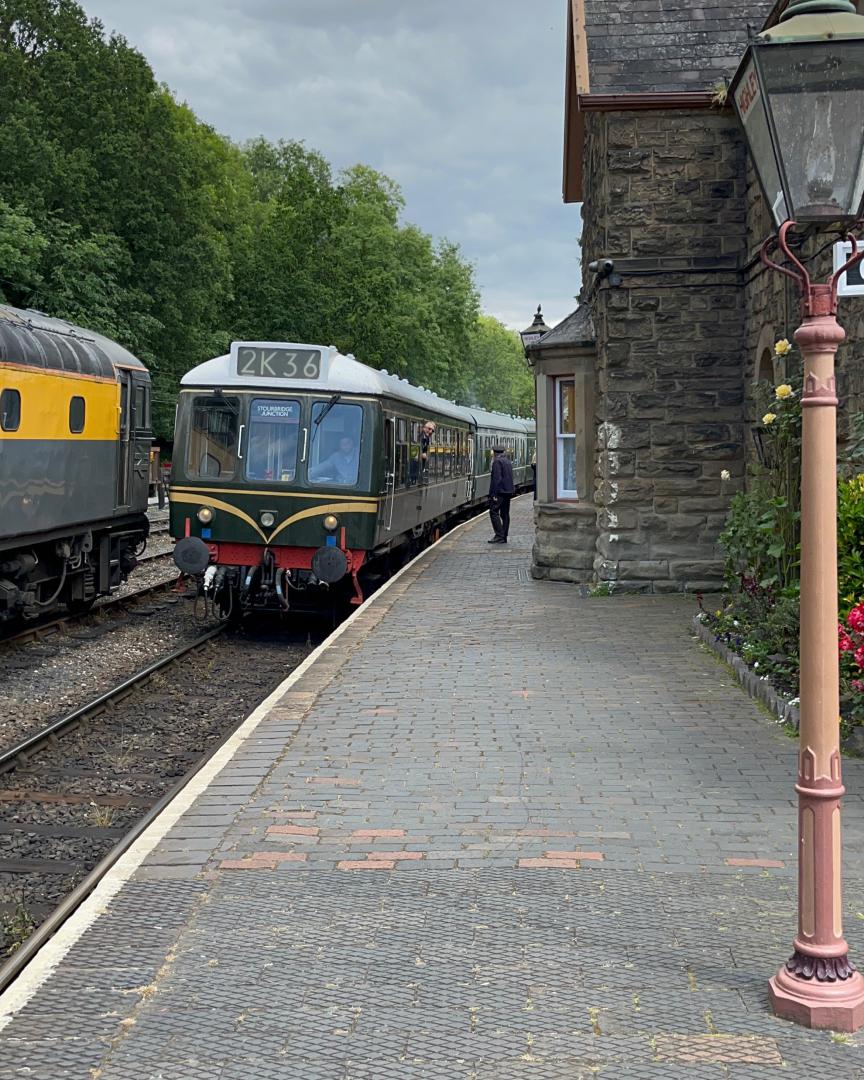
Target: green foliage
[[16, 927], [850, 541], [121, 210], [762, 533], [761, 539]]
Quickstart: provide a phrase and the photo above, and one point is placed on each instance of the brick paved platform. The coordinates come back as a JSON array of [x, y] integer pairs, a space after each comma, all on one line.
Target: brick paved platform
[[498, 830]]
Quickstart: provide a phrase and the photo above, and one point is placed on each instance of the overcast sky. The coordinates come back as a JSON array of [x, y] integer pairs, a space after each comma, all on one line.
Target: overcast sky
[[459, 101]]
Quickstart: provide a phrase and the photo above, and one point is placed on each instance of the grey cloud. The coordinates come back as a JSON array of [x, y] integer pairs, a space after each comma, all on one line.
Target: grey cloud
[[460, 103]]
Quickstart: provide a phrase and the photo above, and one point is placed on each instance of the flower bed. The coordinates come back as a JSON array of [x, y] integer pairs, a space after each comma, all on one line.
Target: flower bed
[[755, 628]]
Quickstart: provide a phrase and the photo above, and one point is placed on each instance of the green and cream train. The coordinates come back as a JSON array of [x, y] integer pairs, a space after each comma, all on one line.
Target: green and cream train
[[295, 467]]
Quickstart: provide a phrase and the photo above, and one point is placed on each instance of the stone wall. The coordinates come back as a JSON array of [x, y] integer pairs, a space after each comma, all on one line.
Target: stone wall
[[565, 541], [665, 200]]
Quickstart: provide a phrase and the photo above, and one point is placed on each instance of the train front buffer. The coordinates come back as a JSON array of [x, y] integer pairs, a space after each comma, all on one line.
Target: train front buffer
[[254, 558]]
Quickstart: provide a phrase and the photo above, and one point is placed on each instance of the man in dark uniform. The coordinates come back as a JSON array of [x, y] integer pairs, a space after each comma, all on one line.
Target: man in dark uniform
[[501, 491]]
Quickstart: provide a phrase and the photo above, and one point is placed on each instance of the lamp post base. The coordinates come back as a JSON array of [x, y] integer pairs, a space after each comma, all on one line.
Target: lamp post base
[[837, 1005]]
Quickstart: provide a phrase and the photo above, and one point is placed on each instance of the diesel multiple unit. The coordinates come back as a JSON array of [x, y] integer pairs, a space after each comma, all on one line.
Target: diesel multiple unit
[[295, 466], [74, 446]]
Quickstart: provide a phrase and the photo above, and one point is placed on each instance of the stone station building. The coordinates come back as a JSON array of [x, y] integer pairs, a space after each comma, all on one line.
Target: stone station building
[[649, 392]]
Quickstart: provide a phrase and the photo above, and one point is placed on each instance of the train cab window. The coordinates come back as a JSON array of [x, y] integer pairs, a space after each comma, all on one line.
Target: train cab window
[[142, 410], [77, 415], [10, 410], [212, 445], [274, 429], [335, 444]]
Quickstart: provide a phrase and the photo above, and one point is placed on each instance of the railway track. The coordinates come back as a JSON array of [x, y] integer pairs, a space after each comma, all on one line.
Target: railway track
[[54, 622], [77, 792]]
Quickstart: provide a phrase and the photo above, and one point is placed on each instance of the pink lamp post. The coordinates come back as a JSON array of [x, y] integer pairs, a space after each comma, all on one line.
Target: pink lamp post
[[799, 93]]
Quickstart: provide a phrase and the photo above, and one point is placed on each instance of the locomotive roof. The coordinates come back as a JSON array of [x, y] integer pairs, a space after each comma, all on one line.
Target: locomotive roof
[[37, 340], [345, 374]]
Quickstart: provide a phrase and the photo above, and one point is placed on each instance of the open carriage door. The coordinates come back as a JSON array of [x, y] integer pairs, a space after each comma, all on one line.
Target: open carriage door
[[389, 471], [142, 437], [133, 473], [124, 470]]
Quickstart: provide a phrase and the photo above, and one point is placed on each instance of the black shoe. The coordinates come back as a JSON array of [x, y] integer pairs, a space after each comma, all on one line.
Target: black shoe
[[496, 540]]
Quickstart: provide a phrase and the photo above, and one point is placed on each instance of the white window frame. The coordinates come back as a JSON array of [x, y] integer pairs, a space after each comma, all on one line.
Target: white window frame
[[560, 491]]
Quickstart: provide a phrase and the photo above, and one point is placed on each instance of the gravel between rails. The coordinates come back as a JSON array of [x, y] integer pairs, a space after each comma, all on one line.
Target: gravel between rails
[[120, 762], [42, 680]]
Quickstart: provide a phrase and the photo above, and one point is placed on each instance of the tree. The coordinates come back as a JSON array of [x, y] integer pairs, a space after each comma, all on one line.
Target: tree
[[498, 377], [120, 210]]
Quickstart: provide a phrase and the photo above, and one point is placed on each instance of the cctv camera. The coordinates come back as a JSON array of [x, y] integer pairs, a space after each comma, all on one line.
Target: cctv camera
[[601, 266]]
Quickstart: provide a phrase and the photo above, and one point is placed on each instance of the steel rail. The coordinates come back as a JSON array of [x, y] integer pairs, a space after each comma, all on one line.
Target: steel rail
[[10, 758], [102, 604], [15, 964]]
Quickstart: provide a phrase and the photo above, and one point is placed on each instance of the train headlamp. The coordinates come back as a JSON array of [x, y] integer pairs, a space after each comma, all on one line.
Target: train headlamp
[[205, 515], [268, 519], [331, 523]]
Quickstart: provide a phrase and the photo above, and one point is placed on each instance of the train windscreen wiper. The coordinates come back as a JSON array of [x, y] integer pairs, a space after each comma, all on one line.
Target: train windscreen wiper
[[317, 423]]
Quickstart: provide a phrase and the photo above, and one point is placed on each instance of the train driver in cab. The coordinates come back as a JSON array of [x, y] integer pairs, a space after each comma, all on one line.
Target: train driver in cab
[[341, 466]]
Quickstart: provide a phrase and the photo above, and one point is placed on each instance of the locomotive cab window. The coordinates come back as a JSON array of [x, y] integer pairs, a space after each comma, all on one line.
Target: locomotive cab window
[[212, 447], [274, 428], [77, 415], [142, 408], [10, 410], [335, 444]]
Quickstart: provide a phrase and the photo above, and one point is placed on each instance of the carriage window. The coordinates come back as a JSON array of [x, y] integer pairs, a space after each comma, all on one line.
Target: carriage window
[[274, 429], [77, 413], [334, 444], [10, 410], [212, 445]]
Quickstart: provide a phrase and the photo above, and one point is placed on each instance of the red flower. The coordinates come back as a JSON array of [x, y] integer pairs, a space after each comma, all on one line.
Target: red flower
[[858, 685], [859, 656], [846, 642], [855, 618]]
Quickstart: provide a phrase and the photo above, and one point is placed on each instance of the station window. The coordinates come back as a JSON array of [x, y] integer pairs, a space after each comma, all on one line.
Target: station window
[[77, 414], [10, 410], [565, 439]]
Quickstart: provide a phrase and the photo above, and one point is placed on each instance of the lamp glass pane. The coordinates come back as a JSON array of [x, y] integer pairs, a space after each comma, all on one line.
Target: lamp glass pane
[[816, 94], [750, 104]]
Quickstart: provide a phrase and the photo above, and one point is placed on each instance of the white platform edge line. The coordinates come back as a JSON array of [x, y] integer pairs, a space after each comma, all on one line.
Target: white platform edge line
[[48, 958]]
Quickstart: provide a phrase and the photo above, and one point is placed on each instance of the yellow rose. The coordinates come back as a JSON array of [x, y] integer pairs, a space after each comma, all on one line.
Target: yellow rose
[[784, 391], [782, 347], [769, 418]]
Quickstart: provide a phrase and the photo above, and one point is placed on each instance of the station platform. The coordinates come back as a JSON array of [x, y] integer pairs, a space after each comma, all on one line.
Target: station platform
[[492, 829]]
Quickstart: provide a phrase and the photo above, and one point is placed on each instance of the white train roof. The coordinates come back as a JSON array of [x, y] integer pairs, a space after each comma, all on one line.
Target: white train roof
[[345, 374]]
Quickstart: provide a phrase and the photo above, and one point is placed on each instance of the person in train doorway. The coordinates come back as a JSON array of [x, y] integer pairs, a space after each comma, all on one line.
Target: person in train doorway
[[501, 491]]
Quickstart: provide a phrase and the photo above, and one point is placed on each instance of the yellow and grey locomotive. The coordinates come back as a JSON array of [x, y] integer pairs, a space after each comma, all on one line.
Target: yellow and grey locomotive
[[295, 466], [74, 447]]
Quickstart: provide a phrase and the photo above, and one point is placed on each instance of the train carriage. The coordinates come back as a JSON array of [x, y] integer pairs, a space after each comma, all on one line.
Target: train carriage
[[74, 446], [295, 466]]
